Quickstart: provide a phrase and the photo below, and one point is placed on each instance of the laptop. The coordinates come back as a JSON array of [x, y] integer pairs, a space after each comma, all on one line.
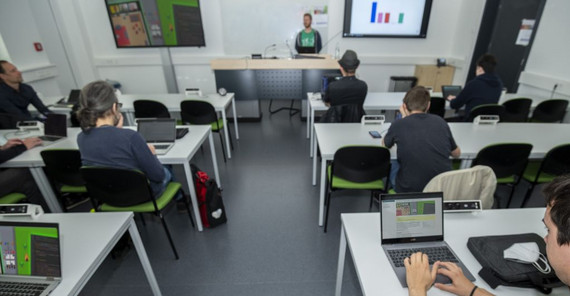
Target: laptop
[[306, 49], [413, 222], [55, 129], [450, 90], [30, 258], [72, 99], [160, 132]]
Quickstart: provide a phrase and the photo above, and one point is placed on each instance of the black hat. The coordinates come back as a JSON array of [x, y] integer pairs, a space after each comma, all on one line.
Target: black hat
[[349, 60]]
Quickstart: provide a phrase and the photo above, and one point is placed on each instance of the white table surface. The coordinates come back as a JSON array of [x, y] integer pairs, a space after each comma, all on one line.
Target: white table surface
[[470, 138], [86, 240], [180, 154], [376, 276]]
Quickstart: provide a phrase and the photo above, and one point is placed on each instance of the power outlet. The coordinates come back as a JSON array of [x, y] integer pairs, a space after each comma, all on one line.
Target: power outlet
[[458, 206]]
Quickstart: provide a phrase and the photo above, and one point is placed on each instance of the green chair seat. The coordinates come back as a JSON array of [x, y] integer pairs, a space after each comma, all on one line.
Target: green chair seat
[[506, 180], [220, 125], [456, 164], [532, 170], [12, 198], [73, 189], [344, 184], [392, 191], [169, 193]]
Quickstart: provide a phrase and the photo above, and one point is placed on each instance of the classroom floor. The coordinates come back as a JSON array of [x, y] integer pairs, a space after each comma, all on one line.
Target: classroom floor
[[271, 244]]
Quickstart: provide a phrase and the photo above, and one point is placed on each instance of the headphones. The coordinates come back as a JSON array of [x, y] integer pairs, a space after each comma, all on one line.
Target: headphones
[[222, 91]]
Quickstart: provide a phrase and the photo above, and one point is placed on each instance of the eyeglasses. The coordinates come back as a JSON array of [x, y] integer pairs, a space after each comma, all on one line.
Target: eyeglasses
[[119, 105]]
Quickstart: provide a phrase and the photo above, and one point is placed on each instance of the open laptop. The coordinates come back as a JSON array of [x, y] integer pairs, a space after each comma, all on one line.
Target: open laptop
[[30, 258], [55, 129], [450, 90], [72, 99], [413, 222], [160, 132]]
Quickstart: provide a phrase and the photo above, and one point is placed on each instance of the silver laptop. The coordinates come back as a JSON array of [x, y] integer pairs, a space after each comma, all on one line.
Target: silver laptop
[[413, 222], [450, 90], [160, 132], [30, 258], [55, 129]]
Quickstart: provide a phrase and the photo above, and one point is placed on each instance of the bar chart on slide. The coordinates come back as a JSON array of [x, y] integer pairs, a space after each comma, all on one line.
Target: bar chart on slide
[[387, 17], [379, 17]]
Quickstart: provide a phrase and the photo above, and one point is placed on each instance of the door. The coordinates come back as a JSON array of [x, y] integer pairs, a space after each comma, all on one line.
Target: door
[[500, 26]]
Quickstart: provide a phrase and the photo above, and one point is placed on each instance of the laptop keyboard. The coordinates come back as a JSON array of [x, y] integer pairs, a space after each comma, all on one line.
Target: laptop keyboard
[[49, 138], [161, 147], [434, 254], [19, 288]]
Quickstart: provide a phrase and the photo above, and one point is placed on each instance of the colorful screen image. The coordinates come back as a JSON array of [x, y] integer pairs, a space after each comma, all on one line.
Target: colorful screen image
[[156, 23], [30, 249]]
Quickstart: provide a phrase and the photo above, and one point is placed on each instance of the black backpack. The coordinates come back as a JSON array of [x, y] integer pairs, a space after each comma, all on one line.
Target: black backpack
[[212, 210]]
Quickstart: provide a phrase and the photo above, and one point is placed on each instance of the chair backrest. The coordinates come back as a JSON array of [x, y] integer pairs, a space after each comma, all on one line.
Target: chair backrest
[[506, 159], [557, 161], [550, 111], [62, 166], [197, 112], [8, 121], [117, 187], [361, 163], [474, 183], [437, 106], [150, 109], [486, 109], [345, 113], [516, 110]]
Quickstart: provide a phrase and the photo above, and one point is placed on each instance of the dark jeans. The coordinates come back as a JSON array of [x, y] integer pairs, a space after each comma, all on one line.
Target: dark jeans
[[19, 180], [159, 187]]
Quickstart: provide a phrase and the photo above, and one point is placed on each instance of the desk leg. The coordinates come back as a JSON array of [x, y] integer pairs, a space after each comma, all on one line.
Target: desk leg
[[135, 237], [314, 161], [312, 130], [214, 160], [46, 190], [322, 192], [235, 117], [193, 197], [226, 134], [341, 259], [308, 115]]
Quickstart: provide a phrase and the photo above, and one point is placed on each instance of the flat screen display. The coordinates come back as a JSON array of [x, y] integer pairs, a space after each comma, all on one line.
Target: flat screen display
[[386, 18], [156, 23]]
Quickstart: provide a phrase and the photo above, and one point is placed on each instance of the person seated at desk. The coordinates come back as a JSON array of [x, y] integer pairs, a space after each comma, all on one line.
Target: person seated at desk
[[103, 141], [557, 222], [486, 88], [15, 96], [308, 40], [424, 143], [19, 180]]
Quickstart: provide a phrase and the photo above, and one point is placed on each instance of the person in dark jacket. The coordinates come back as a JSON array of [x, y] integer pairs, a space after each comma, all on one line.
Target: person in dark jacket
[[15, 96], [19, 180], [486, 88], [308, 37]]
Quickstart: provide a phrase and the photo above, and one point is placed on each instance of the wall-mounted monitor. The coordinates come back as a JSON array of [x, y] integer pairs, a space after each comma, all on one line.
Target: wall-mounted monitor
[[386, 18], [156, 23]]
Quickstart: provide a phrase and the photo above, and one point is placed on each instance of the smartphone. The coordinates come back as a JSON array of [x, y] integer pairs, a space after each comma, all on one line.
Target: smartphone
[[375, 134]]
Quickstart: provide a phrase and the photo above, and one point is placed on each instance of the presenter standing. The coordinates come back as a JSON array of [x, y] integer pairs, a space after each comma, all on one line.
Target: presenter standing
[[309, 39]]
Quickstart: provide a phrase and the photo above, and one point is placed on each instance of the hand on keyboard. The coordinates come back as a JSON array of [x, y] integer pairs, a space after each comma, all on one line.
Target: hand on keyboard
[[418, 275]]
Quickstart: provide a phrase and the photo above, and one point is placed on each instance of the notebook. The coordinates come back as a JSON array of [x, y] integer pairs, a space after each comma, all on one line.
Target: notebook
[[450, 90], [160, 132], [55, 129], [30, 258], [413, 222]]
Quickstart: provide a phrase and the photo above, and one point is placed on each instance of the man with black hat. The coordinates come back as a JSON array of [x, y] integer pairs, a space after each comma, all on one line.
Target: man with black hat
[[349, 89]]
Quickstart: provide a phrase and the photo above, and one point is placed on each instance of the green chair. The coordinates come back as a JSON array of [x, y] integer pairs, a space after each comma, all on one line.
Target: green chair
[[357, 167], [62, 168], [550, 111], [486, 109], [516, 110], [508, 161], [200, 112], [12, 198], [125, 190], [555, 163]]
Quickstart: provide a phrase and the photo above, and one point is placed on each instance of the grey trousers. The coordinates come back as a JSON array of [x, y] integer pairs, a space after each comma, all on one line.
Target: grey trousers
[[19, 180]]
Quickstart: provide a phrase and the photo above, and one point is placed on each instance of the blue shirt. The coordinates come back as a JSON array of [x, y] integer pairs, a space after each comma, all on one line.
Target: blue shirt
[[110, 146], [16, 102]]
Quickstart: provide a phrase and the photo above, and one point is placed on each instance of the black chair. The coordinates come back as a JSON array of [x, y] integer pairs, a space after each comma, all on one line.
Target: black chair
[[8, 121], [150, 109], [508, 161], [550, 111], [62, 168], [486, 109], [555, 163], [125, 190], [516, 110], [345, 113], [358, 167], [437, 106], [200, 112]]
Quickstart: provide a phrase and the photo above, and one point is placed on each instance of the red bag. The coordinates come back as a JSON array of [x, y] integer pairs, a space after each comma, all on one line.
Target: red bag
[[200, 179]]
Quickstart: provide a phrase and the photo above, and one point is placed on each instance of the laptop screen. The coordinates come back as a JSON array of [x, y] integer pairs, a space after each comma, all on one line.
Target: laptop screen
[[73, 96], [157, 130], [411, 217], [450, 90], [56, 125], [30, 249]]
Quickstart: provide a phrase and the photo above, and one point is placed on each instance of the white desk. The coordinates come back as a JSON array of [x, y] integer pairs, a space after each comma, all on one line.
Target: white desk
[[180, 154], [329, 137], [172, 103], [361, 232], [86, 239]]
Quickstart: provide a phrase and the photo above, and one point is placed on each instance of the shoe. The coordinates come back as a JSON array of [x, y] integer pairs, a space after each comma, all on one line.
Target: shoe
[[181, 205]]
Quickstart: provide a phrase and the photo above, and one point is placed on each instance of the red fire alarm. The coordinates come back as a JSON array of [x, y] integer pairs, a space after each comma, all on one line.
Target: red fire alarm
[[38, 46]]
